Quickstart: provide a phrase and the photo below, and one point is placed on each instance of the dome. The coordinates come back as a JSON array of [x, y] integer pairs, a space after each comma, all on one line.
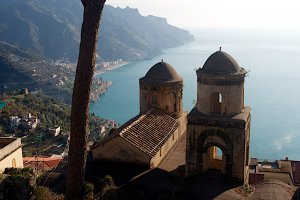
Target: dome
[[221, 62], [161, 72]]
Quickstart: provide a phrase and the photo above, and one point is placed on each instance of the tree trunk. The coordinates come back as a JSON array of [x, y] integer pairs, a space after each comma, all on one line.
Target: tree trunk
[[80, 99]]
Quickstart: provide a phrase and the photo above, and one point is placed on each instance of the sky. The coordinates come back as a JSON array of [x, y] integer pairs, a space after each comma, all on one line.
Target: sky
[[199, 14]]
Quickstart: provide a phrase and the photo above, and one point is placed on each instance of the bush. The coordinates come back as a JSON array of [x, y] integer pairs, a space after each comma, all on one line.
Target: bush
[[17, 187], [44, 193], [104, 185], [19, 171], [88, 190]]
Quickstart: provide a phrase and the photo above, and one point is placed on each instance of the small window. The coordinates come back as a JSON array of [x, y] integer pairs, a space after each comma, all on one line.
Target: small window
[[216, 104], [220, 98]]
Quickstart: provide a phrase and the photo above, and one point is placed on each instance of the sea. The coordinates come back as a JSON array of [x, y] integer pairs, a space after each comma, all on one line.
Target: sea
[[272, 87]]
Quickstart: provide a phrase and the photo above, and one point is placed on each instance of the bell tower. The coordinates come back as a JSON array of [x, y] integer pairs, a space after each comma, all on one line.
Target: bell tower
[[161, 88], [218, 132]]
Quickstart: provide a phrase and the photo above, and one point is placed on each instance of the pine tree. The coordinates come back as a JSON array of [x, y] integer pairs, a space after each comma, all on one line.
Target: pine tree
[[80, 99]]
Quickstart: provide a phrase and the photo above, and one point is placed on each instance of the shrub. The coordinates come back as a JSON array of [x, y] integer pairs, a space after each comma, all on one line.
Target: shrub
[[44, 193], [105, 183], [88, 190], [17, 187]]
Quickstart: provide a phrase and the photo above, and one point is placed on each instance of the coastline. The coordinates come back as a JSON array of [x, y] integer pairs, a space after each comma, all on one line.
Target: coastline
[[98, 72]]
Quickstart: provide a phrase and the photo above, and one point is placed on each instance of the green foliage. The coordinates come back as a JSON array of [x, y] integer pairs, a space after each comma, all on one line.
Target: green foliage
[[105, 184], [27, 172], [88, 191], [50, 111], [16, 187], [44, 193]]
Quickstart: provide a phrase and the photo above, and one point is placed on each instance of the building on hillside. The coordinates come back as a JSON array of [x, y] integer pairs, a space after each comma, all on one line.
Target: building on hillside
[[148, 137], [219, 119], [24, 91], [14, 121], [55, 131], [29, 122], [42, 163], [10, 153], [285, 170]]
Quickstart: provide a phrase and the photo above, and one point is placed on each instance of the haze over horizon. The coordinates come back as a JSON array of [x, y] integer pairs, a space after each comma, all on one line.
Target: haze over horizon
[[193, 15]]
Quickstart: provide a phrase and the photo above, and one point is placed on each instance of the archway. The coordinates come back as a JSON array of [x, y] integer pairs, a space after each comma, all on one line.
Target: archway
[[215, 151], [215, 159]]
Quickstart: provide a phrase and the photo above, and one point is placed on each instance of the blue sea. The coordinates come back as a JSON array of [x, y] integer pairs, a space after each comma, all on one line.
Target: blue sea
[[272, 87]]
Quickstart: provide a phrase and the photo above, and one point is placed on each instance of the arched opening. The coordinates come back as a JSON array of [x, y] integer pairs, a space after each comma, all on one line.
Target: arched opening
[[215, 158], [215, 151]]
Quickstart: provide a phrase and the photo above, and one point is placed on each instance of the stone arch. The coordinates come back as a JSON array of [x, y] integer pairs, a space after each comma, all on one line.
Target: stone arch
[[217, 138]]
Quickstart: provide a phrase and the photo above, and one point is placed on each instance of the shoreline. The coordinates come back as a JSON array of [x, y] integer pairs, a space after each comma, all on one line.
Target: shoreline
[[110, 68]]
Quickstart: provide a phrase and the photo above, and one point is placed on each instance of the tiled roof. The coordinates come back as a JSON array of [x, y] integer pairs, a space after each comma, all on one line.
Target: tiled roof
[[150, 131], [41, 163]]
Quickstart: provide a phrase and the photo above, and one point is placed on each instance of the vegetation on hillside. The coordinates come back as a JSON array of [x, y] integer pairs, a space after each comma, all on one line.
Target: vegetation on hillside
[[51, 113]]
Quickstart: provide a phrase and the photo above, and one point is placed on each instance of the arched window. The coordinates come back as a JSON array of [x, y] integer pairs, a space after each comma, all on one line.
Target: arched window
[[215, 158]]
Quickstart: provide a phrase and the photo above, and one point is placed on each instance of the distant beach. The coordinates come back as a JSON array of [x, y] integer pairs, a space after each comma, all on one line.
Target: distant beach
[[103, 70]]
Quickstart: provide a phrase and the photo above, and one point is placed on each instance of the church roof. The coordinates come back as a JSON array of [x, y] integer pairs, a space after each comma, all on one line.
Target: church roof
[[161, 72], [268, 190], [221, 62], [150, 131]]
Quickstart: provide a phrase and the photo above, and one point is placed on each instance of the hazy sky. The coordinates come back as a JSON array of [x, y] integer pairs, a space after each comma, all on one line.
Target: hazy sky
[[221, 13]]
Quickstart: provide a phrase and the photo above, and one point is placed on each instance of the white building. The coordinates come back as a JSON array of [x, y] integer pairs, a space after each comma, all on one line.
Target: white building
[[14, 121], [55, 131], [10, 153]]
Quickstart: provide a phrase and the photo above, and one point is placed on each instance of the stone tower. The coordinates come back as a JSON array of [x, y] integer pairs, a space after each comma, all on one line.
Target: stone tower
[[218, 131], [161, 88]]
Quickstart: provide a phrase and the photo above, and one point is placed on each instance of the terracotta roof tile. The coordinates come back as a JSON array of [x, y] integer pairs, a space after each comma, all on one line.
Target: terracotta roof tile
[[41, 162], [150, 131]]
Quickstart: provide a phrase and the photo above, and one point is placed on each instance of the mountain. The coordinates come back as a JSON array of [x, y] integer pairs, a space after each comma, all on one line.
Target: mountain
[[51, 29]]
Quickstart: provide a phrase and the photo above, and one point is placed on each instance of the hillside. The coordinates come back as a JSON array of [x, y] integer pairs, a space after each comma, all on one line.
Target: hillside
[[51, 28], [50, 113]]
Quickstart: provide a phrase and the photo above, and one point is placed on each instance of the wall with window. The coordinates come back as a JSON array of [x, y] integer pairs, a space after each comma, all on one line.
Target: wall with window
[[220, 99], [14, 159]]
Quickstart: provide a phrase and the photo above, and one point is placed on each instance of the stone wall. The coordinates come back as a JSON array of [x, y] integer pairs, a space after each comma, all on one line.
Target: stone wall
[[232, 141], [232, 98], [167, 97], [118, 149]]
